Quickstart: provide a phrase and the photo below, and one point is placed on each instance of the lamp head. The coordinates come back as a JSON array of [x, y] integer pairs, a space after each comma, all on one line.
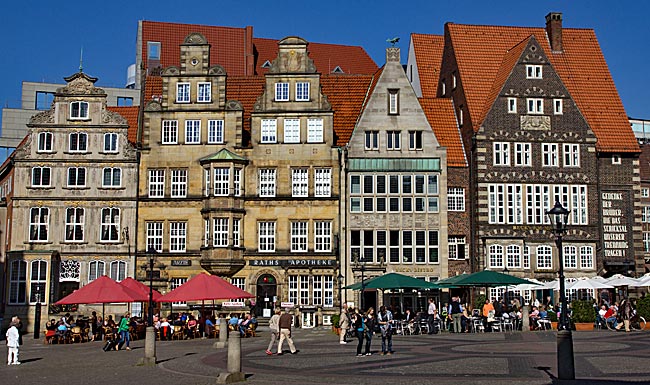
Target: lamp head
[[559, 217]]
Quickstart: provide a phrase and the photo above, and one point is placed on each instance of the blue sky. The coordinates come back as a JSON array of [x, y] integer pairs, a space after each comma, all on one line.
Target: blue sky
[[42, 39]]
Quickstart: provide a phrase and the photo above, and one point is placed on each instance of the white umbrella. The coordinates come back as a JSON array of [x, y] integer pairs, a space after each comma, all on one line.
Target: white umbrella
[[552, 285], [642, 282], [588, 284], [536, 285], [621, 280]]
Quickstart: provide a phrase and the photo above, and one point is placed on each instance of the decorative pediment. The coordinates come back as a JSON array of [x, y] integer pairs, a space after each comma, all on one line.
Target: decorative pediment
[[171, 71], [153, 105], [292, 57], [80, 84], [234, 105], [112, 117], [216, 70], [42, 117], [195, 39]]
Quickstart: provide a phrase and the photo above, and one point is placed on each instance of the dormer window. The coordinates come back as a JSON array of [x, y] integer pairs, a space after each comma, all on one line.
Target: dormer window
[[204, 93], [533, 71], [183, 93], [393, 102], [616, 159], [79, 110], [302, 91], [267, 64], [281, 92], [337, 70]]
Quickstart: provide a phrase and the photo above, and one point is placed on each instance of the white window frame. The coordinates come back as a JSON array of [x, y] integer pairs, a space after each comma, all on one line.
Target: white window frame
[[74, 175], [266, 237], [535, 106], [322, 236], [526, 258], [45, 141], [215, 131], [193, 131], [645, 192], [291, 130], [393, 140], [183, 90], [315, 130], [40, 175], [512, 105], [646, 241], [513, 256], [204, 92], [557, 107], [586, 257], [111, 142], [78, 142], [523, 154], [177, 237], [74, 224], [322, 182], [179, 183], [114, 175], [645, 214], [267, 182], [393, 102], [39, 224], [169, 131], [220, 232], [372, 140], [455, 199], [293, 289], [236, 181], [544, 257], [570, 256], [571, 152], [415, 140], [269, 131], [96, 269], [221, 181], [501, 153], [156, 183], [299, 234], [299, 182], [81, 110], [533, 71], [302, 91], [616, 159], [495, 257], [236, 232], [154, 236], [281, 92], [110, 224], [550, 155], [453, 243], [18, 282], [175, 283], [119, 270]]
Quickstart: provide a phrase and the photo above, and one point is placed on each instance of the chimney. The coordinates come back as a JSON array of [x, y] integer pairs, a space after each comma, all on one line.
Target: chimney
[[392, 54], [554, 30]]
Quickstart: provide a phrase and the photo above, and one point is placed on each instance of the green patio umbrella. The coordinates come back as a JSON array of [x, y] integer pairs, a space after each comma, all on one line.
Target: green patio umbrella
[[450, 282], [393, 281], [487, 278]]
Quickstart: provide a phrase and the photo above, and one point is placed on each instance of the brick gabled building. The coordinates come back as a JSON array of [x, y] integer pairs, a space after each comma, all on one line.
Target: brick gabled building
[[541, 121]]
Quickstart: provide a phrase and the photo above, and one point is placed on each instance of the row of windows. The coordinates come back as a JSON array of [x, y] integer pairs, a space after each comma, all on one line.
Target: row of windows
[[535, 106], [393, 140], [301, 92], [299, 234], [291, 130], [193, 131], [315, 290], [521, 203], [75, 224], [550, 154], [518, 257], [203, 92], [401, 246], [322, 181], [77, 142], [69, 271], [76, 177]]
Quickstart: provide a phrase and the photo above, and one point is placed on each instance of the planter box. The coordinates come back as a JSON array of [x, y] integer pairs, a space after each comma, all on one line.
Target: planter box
[[587, 326], [553, 325], [336, 330]]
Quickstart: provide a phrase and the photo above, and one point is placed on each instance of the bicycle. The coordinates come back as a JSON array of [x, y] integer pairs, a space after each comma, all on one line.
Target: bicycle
[[636, 323]]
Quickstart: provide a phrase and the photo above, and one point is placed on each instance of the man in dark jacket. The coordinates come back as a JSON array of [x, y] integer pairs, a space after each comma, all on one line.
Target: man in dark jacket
[[285, 332]]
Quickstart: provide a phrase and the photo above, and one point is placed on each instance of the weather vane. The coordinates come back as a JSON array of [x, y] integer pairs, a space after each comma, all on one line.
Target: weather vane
[[393, 40]]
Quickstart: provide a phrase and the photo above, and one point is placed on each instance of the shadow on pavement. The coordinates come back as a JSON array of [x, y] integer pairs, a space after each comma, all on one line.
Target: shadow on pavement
[[30, 360]]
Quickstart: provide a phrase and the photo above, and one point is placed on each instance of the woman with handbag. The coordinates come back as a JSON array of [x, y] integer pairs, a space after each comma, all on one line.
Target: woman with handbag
[[369, 325], [359, 326]]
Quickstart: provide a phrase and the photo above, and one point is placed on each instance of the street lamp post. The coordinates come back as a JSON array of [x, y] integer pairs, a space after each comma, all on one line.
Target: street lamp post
[[340, 278], [152, 252], [559, 216], [150, 337], [362, 266]]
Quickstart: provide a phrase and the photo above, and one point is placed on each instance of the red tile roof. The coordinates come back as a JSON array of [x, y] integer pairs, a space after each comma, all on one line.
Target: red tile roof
[[246, 90], [479, 53], [152, 88], [428, 56], [441, 117], [131, 116], [230, 48], [347, 95]]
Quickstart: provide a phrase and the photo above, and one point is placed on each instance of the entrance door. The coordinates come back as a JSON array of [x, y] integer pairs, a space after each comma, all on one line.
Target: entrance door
[[266, 295]]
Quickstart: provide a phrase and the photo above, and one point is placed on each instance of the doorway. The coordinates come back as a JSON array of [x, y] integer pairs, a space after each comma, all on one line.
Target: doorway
[[266, 295]]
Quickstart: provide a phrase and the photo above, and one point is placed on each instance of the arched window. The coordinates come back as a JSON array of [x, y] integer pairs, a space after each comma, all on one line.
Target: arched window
[[118, 270], [513, 256], [544, 257], [18, 282], [79, 110], [38, 279], [95, 270]]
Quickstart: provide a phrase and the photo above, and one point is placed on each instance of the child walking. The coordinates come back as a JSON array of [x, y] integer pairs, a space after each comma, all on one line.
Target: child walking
[[13, 338]]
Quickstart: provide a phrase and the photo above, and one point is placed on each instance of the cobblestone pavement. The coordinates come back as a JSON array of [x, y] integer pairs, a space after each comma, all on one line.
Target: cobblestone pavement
[[601, 357]]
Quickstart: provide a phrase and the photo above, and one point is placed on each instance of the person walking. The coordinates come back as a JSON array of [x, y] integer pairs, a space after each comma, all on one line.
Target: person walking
[[431, 316], [285, 332], [359, 325], [344, 323], [369, 329], [456, 312], [626, 313], [385, 320], [13, 342], [274, 326], [123, 330]]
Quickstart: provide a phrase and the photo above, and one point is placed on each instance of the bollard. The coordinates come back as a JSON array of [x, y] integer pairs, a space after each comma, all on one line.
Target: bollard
[[149, 347], [234, 373], [525, 319], [223, 334]]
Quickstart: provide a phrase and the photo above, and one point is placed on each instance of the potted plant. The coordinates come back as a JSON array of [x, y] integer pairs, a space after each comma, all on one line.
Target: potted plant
[[583, 315], [335, 323], [552, 315], [643, 309]]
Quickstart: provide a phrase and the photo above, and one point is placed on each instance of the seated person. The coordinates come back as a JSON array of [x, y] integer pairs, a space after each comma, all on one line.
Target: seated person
[[487, 309], [62, 329], [50, 329], [191, 327], [542, 312], [165, 330], [209, 326], [244, 325], [233, 322], [610, 316], [408, 316]]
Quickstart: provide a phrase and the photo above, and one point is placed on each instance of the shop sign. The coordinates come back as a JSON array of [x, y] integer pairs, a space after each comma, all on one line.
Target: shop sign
[[293, 262], [181, 262], [615, 228], [287, 304], [233, 304]]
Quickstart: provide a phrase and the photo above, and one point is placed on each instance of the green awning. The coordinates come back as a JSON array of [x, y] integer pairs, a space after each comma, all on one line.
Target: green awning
[[485, 278], [223, 155], [393, 281], [397, 164]]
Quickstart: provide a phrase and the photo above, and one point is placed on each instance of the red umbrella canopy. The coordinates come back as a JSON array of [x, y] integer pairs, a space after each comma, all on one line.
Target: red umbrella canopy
[[140, 288], [101, 290], [204, 287]]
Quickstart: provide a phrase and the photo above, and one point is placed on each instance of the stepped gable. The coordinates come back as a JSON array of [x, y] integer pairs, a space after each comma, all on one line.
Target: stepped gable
[[480, 51], [428, 56], [441, 117]]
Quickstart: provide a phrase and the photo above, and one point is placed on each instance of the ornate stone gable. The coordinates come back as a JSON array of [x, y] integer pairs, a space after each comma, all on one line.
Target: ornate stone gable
[[80, 84], [292, 57]]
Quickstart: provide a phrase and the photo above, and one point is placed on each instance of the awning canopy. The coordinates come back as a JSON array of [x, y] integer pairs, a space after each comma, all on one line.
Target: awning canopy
[[393, 281], [485, 278], [103, 290], [139, 287], [204, 287]]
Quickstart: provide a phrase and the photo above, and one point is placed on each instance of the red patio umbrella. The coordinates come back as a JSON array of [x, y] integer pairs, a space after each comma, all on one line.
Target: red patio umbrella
[[204, 287], [102, 290], [140, 288]]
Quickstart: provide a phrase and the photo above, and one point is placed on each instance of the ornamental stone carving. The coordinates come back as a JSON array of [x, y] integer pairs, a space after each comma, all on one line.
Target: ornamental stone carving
[[216, 70], [234, 105], [195, 38], [80, 84], [112, 117], [42, 117], [535, 122], [153, 105], [171, 71]]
